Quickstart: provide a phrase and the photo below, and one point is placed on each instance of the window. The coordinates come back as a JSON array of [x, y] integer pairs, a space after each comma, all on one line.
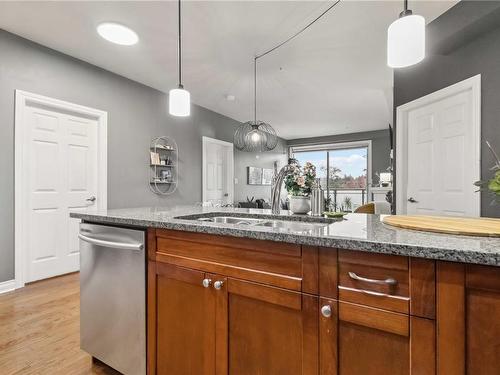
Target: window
[[344, 170]]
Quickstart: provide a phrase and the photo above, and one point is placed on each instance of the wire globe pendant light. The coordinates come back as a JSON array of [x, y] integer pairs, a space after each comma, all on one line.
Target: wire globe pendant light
[[256, 135]]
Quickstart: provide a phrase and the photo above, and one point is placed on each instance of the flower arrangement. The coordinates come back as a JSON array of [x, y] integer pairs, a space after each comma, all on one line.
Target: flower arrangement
[[493, 184], [301, 180]]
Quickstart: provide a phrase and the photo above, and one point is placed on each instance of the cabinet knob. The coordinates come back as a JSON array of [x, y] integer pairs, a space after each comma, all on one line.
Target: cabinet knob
[[326, 311], [218, 284], [207, 283]]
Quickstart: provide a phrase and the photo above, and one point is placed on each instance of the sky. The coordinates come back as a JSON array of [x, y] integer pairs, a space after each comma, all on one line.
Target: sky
[[350, 161]]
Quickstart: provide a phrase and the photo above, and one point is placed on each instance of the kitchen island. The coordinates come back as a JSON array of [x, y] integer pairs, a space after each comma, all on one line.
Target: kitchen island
[[348, 297]]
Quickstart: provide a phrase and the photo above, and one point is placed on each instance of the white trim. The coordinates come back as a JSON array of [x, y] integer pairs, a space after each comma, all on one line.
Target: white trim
[[24, 98], [230, 176], [473, 84], [218, 141], [329, 146], [7, 286], [341, 146]]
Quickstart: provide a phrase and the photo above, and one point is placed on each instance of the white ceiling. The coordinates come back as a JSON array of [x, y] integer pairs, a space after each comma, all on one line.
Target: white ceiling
[[331, 79]]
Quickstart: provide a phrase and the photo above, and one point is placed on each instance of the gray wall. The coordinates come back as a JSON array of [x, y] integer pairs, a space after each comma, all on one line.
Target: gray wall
[[242, 160], [136, 114], [463, 42], [381, 146]]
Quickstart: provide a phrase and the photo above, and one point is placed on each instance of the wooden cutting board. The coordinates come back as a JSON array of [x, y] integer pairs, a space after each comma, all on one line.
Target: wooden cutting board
[[485, 227]]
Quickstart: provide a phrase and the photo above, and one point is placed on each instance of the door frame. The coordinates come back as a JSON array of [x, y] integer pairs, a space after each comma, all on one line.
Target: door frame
[[230, 177], [402, 111], [22, 100]]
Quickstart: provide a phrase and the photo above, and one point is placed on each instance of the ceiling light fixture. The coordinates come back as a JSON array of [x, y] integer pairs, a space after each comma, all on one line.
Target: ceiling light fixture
[[406, 39], [256, 135], [179, 100], [117, 33]]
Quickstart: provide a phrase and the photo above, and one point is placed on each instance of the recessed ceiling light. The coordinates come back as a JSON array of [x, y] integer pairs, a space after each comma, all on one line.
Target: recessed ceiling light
[[118, 34], [230, 98]]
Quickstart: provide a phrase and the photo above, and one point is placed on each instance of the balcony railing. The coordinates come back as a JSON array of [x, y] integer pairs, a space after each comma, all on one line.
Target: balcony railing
[[337, 197]]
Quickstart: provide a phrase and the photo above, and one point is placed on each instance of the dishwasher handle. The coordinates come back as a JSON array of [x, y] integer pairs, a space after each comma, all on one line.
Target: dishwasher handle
[[116, 245]]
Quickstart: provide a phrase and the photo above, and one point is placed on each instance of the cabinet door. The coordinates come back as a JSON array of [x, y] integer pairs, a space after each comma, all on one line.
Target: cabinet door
[[185, 317], [369, 341], [328, 337], [468, 316], [271, 330], [483, 320]]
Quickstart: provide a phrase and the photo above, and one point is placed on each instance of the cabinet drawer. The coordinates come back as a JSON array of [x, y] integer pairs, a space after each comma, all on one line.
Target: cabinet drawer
[[389, 282], [378, 342], [268, 262], [360, 340], [375, 280]]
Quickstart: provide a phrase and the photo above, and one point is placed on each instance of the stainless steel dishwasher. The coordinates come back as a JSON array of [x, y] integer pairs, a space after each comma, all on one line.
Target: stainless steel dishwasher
[[113, 296]]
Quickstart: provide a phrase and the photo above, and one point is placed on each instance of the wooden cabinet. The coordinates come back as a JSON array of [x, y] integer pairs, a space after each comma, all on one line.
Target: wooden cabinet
[[360, 340], [468, 316], [383, 321], [483, 320], [211, 324], [271, 330], [185, 322], [228, 306]]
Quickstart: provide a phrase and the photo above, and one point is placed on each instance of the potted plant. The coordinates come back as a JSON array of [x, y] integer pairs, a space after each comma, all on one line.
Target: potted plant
[[299, 184], [493, 184]]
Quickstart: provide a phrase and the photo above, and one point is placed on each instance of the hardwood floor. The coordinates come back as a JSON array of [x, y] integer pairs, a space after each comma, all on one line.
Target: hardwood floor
[[40, 330]]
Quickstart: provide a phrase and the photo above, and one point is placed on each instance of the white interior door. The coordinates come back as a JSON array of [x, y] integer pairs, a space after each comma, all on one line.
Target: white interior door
[[218, 171], [442, 160], [61, 174]]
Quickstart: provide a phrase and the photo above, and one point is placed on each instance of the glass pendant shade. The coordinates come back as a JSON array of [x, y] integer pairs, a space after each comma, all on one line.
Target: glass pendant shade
[[406, 41], [179, 102]]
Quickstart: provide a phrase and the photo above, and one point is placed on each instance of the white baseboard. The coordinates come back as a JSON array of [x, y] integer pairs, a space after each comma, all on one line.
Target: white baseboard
[[7, 286]]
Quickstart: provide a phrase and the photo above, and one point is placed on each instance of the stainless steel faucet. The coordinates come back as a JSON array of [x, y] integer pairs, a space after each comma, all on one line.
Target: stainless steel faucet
[[276, 184]]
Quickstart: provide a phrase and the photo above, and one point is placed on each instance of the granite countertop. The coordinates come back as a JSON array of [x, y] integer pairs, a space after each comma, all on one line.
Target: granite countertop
[[356, 231]]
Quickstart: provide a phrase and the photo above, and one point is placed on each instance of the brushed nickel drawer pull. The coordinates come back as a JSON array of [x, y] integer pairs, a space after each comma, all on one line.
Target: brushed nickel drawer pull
[[388, 281]]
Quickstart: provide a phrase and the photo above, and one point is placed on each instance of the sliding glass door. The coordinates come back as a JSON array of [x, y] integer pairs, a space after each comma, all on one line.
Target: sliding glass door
[[343, 169]]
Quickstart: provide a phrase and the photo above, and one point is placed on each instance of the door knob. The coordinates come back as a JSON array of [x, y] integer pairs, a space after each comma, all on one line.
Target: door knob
[[207, 283], [218, 284], [91, 199], [326, 311], [412, 200]]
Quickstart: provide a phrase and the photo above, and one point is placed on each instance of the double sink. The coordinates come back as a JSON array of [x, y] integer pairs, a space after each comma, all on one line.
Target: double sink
[[287, 224]]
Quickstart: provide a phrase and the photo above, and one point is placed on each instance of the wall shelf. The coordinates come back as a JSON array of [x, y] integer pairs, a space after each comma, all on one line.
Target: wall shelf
[[163, 177], [162, 148], [162, 182]]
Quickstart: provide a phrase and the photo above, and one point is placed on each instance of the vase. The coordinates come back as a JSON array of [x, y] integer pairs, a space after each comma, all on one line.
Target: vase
[[299, 204]]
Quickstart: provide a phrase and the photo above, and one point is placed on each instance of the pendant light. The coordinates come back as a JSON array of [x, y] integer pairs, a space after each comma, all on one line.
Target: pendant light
[[258, 136], [255, 136], [406, 39], [179, 100]]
